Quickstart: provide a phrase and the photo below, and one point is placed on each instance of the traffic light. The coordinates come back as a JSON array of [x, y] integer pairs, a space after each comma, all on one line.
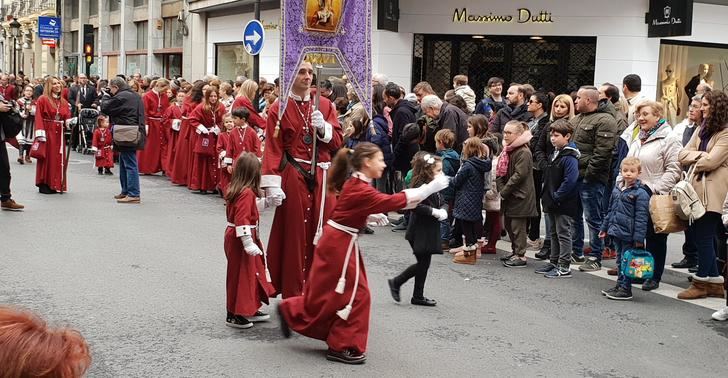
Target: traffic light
[[88, 43]]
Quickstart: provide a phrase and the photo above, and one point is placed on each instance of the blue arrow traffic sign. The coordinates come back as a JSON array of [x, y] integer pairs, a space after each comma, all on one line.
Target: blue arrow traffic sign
[[253, 36]]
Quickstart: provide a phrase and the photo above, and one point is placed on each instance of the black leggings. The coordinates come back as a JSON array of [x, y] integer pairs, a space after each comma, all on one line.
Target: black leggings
[[471, 230], [419, 272]]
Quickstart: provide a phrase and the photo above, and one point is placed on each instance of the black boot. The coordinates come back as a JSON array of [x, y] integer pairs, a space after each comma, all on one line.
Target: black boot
[[101, 171], [685, 263], [545, 251]]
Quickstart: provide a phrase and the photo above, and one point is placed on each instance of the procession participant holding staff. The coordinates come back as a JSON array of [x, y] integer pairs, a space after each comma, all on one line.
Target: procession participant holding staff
[[298, 139], [51, 113], [156, 103]]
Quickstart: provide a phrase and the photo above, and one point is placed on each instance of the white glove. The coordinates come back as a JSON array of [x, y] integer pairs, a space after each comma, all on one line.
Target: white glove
[[215, 130], [266, 202], [202, 130], [250, 247], [275, 192], [440, 214], [317, 120], [378, 219], [415, 195]]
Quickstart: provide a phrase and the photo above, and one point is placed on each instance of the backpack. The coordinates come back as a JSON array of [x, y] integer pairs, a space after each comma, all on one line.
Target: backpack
[[685, 199], [638, 264]]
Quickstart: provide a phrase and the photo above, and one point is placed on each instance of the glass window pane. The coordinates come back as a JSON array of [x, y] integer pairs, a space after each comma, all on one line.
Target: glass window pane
[[139, 3], [172, 36], [231, 60], [136, 63], [93, 8], [116, 37], [141, 35], [112, 5]]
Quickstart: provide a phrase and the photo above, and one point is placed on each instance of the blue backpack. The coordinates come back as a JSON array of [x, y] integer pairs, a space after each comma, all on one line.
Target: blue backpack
[[638, 264]]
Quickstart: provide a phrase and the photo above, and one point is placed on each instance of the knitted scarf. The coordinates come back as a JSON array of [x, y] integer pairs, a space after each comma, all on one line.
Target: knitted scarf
[[504, 159]]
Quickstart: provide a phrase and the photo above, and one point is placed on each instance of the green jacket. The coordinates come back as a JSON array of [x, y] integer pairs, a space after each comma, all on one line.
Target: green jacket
[[595, 135]]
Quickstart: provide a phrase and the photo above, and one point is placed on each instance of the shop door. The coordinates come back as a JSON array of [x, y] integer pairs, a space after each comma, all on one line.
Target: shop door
[[558, 64]]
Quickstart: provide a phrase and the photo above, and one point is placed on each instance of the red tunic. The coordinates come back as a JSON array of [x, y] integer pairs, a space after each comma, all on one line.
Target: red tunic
[[172, 115], [254, 119], [290, 245], [8, 92], [103, 142], [204, 167], [314, 314], [50, 116], [239, 140], [183, 152], [247, 287], [150, 158], [223, 177]]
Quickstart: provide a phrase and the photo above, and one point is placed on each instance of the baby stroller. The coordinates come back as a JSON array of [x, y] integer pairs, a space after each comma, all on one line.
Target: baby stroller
[[86, 123]]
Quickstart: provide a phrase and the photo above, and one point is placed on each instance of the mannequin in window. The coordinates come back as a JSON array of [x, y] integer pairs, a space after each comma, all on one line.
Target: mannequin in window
[[670, 96], [703, 77]]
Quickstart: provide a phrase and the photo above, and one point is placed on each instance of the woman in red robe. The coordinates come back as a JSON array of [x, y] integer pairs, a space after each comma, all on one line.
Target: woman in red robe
[[245, 98], [206, 120], [172, 124], [51, 113], [340, 316], [156, 103], [183, 152]]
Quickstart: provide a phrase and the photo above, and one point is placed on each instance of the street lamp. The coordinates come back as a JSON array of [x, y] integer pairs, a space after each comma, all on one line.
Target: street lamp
[[15, 30]]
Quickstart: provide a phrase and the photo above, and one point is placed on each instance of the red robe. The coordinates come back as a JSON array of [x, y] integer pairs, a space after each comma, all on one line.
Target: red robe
[[183, 152], [314, 314], [50, 116], [254, 119], [247, 287], [223, 177], [150, 158], [103, 142], [173, 114], [204, 167], [238, 140], [8, 92], [290, 245]]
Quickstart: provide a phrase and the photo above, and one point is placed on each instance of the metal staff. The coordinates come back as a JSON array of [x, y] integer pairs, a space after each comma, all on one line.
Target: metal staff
[[316, 101]]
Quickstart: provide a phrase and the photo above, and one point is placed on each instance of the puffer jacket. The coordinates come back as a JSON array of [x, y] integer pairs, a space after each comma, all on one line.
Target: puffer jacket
[[492, 200], [377, 134], [659, 159], [595, 135], [560, 189], [450, 167], [629, 211], [538, 132], [406, 148], [468, 95], [509, 113], [469, 185]]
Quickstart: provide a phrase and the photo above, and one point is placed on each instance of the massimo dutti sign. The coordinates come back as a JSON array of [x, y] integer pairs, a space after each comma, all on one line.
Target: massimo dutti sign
[[669, 18], [522, 16]]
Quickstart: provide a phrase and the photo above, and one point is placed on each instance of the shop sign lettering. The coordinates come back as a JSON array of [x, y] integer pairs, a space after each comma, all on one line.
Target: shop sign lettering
[[522, 16]]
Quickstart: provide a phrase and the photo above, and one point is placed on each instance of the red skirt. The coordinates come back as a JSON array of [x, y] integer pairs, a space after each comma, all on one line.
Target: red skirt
[[50, 171], [204, 171], [181, 163], [247, 288], [105, 158], [150, 158]]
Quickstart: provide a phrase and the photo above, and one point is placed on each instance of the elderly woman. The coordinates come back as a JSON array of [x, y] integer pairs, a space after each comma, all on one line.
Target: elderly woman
[[658, 152], [708, 151]]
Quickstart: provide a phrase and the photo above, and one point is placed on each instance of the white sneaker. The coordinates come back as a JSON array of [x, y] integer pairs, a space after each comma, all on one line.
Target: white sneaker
[[721, 315], [534, 245]]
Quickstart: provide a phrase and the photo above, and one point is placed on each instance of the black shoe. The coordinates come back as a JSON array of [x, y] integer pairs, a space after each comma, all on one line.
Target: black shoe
[[397, 221], [693, 269], [545, 269], [685, 264], [101, 171], [237, 321], [285, 330], [507, 257], [394, 290], [606, 292], [621, 294], [544, 253], [400, 227], [650, 285], [108, 172], [515, 262], [45, 189], [259, 316], [423, 302], [347, 357], [366, 231]]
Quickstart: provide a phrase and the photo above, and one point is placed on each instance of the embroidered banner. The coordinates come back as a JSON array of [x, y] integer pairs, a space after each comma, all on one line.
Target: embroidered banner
[[338, 27]]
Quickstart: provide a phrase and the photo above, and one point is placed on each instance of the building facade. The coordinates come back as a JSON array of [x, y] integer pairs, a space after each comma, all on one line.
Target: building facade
[[26, 53]]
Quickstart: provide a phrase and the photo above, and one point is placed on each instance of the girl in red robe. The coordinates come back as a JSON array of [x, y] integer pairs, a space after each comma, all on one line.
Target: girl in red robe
[[206, 120], [156, 103], [340, 316], [103, 142], [225, 164], [172, 125], [183, 152], [245, 97], [51, 113], [248, 282]]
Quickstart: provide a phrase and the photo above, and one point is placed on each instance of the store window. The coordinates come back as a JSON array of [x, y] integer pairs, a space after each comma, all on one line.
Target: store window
[[74, 42], [141, 34], [231, 60], [74, 9], [93, 8], [112, 5], [136, 63], [172, 36], [684, 70], [115, 37], [172, 65]]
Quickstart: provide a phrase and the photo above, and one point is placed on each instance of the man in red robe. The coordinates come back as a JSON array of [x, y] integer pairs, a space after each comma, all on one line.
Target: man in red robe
[[287, 159], [156, 103], [7, 89]]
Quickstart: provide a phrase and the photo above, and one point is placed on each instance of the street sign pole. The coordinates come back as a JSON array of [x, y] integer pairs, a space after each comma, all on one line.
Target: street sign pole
[[256, 57]]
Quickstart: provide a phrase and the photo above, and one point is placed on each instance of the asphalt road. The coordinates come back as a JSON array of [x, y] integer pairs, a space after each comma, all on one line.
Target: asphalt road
[[146, 286]]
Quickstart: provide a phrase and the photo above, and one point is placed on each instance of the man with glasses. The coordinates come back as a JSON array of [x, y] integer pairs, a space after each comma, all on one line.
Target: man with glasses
[[493, 100]]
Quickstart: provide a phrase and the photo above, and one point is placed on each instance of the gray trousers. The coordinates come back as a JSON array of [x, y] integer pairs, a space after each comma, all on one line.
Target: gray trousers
[[517, 229], [560, 239]]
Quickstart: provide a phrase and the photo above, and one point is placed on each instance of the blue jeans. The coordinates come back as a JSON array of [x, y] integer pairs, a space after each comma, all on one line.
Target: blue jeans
[[592, 199], [621, 246], [445, 225], [705, 230], [129, 173]]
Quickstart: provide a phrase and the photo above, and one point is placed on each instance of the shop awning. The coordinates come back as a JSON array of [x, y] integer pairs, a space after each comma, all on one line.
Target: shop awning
[[230, 6]]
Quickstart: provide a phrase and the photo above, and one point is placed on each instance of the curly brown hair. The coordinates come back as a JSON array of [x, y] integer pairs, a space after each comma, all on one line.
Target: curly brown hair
[[423, 166], [718, 115]]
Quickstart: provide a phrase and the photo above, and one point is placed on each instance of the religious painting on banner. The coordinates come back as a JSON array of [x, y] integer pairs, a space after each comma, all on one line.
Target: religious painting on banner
[[341, 28]]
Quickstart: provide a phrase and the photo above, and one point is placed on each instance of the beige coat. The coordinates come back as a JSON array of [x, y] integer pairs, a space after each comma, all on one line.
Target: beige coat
[[713, 163], [659, 159]]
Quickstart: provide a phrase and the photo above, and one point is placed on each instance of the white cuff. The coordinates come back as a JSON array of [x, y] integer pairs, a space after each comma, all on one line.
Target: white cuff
[[40, 133], [328, 133], [244, 231], [270, 181], [202, 129], [227, 161]]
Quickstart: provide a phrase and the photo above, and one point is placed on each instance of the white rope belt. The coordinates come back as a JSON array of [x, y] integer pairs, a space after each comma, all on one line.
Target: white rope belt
[[320, 226], [265, 255], [353, 245]]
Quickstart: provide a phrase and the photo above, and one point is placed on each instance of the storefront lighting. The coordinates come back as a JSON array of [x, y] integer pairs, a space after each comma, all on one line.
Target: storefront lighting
[[536, 38], [478, 37]]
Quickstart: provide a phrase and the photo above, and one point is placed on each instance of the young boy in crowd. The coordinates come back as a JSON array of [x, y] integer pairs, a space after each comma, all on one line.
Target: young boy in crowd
[[560, 198], [626, 221], [444, 140]]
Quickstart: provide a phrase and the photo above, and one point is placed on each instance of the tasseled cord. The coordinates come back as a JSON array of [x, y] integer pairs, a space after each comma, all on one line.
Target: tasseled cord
[[346, 311], [265, 261], [322, 205]]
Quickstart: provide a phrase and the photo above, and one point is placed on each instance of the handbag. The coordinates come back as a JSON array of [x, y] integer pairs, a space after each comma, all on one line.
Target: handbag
[[688, 206], [663, 215], [38, 150], [638, 264], [205, 145], [11, 122], [126, 135]]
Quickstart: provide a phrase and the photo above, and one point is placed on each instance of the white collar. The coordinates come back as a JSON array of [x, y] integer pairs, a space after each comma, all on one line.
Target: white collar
[[362, 176], [296, 97]]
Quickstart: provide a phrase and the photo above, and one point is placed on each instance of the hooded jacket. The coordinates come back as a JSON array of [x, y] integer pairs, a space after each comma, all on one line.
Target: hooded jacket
[[560, 189], [595, 135], [377, 134], [629, 211], [403, 113], [450, 167], [406, 148], [468, 95], [469, 185], [509, 113]]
